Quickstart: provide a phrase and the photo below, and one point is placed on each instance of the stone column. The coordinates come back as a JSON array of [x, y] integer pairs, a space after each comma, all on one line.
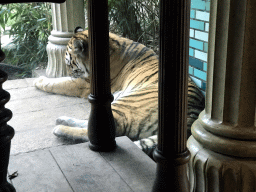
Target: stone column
[[65, 18], [223, 141]]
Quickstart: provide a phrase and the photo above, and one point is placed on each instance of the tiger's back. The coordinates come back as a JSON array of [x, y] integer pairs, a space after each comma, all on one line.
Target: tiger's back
[[134, 84]]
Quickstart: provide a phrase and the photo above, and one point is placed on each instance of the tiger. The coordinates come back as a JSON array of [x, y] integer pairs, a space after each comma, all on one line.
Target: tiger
[[134, 85]]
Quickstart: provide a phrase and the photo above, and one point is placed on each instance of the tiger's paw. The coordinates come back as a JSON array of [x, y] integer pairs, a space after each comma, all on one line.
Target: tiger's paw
[[72, 122], [147, 145], [42, 83], [71, 133]]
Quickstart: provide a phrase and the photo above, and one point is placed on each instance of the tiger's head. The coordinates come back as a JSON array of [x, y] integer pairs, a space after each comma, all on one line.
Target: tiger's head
[[77, 54]]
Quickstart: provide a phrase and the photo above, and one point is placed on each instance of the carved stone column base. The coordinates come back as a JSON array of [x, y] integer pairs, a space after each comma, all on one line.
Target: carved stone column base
[[56, 49], [212, 172], [56, 63]]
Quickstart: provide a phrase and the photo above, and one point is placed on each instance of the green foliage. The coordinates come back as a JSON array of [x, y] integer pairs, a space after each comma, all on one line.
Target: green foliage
[[31, 25], [30, 29], [136, 19]]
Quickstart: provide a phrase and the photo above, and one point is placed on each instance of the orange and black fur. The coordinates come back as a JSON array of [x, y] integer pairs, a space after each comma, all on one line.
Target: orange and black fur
[[134, 84]]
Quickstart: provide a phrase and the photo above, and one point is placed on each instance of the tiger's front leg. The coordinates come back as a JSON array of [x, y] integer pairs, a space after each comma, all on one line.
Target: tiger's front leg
[[72, 129], [64, 85]]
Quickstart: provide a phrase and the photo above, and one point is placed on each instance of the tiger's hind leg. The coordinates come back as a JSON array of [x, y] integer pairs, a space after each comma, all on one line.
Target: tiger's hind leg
[[72, 129], [72, 122]]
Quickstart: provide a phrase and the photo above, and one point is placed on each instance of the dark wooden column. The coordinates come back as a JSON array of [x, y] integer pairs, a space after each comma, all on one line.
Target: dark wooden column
[[101, 125], [171, 154], [6, 132]]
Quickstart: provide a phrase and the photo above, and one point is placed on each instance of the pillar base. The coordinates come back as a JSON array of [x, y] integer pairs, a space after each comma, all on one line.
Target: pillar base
[[211, 171], [56, 49], [213, 136], [56, 64]]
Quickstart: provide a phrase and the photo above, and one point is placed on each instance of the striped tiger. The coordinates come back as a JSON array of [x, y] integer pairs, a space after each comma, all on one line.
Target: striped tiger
[[134, 85]]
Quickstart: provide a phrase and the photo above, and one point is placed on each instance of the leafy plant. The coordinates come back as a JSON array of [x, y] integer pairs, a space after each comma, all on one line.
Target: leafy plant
[[5, 14], [136, 19], [31, 25], [30, 30]]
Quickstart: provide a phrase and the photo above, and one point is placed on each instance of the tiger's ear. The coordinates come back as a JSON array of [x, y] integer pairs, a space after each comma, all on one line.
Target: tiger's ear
[[80, 47], [78, 29]]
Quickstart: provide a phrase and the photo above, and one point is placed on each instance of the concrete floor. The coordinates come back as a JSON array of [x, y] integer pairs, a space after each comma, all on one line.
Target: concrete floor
[[43, 165], [35, 112]]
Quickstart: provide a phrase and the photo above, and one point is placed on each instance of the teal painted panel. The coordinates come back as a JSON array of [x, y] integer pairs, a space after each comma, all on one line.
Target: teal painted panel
[[202, 15], [207, 6], [196, 63], [204, 86], [197, 82], [206, 26], [203, 36], [192, 14], [196, 24], [196, 44], [190, 70], [192, 33], [200, 74], [206, 47], [198, 4], [201, 55], [191, 52], [205, 66]]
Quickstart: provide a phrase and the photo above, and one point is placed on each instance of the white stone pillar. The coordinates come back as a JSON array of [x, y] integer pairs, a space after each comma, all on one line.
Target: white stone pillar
[[65, 18], [223, 141]]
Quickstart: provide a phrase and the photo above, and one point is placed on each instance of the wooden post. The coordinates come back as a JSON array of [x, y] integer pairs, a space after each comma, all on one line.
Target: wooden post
[[101, 125], [171, 154], [6, 132]]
